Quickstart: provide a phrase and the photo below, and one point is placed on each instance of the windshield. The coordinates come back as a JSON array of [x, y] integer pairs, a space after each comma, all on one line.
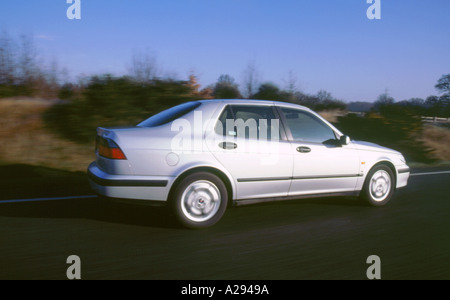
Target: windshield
[[169, 115]]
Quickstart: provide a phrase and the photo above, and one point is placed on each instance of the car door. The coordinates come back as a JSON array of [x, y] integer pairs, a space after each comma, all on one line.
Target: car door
[[250, 145], [321, 163]]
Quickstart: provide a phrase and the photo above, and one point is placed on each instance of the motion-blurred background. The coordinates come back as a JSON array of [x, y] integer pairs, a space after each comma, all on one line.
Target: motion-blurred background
[[386, 81]]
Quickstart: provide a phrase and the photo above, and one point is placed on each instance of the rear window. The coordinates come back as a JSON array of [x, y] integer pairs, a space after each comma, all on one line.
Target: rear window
[[169, 115]]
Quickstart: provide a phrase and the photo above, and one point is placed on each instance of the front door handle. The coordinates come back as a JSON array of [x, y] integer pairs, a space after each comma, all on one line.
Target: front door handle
[[303, 149], [228, 145]]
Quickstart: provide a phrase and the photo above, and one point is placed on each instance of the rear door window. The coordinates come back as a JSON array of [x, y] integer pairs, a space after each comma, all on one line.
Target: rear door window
[[249, 121]]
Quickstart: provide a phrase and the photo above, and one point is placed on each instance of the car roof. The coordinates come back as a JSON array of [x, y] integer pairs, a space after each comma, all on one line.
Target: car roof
[[254, 102]]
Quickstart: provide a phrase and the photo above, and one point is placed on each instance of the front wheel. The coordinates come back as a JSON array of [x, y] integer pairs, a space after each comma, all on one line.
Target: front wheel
[[379, 186], [200, 200]]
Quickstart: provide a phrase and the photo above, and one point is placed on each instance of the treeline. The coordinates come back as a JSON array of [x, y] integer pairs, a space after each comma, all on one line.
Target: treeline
[[23, 71], [394, 129], [227, 88], [399, 125], [113, 101], [434, 106], [109, 100]]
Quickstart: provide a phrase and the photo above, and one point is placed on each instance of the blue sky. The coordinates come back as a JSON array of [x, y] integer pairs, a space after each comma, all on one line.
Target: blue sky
[[327, 44]]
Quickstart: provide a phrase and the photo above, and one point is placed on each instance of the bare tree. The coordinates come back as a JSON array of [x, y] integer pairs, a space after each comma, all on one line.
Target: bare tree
[[53, 73], [7, 64], [291, 87], [52, 79], [27, 68], [291, 83], [226, 88], [251, 78], [443, 85], [143, 67], [23, 70], [323, 96], [384, 102]]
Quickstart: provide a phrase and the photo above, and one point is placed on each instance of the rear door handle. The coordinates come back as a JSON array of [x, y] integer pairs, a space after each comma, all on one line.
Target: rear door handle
[[303, 149], [228, 145]]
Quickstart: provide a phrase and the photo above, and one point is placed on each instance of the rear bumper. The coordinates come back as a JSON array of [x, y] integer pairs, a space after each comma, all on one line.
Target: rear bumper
[[155, 188]]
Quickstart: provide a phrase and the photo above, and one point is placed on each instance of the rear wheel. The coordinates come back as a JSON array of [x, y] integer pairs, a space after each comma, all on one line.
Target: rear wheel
[[199, 200], [379, 186]]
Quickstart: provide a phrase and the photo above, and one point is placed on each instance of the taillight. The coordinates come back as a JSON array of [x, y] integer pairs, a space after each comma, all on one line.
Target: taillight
[[108, 149]]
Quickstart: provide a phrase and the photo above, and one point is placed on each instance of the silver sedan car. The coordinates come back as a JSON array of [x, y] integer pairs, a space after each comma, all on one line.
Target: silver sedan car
[[202, 156]]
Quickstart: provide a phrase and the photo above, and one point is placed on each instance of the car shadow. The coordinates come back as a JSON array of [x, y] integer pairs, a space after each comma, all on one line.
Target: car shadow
[[25, 181], [34, 182], [327, 201], [91, 209], [99, 209]]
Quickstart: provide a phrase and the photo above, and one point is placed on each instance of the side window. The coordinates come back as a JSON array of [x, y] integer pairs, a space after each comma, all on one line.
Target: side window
[[250, 122], [307, 127], [222, 121]]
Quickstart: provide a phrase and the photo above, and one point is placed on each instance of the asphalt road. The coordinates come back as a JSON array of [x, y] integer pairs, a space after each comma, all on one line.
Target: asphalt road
[[326, 238]]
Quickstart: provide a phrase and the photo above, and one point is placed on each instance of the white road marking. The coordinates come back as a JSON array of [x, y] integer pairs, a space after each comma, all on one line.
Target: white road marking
[[430, 173], [47, 199]]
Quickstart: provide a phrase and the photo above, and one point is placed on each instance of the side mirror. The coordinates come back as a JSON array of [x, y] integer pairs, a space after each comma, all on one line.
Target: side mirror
[[345, 140]]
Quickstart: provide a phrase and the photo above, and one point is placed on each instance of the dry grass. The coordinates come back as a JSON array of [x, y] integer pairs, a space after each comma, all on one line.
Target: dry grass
[[25, 140], [438, 139], [332, 115]]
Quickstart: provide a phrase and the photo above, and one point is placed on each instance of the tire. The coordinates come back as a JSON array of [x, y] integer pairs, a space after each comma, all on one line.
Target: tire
[[379, 186], [199, 200]]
